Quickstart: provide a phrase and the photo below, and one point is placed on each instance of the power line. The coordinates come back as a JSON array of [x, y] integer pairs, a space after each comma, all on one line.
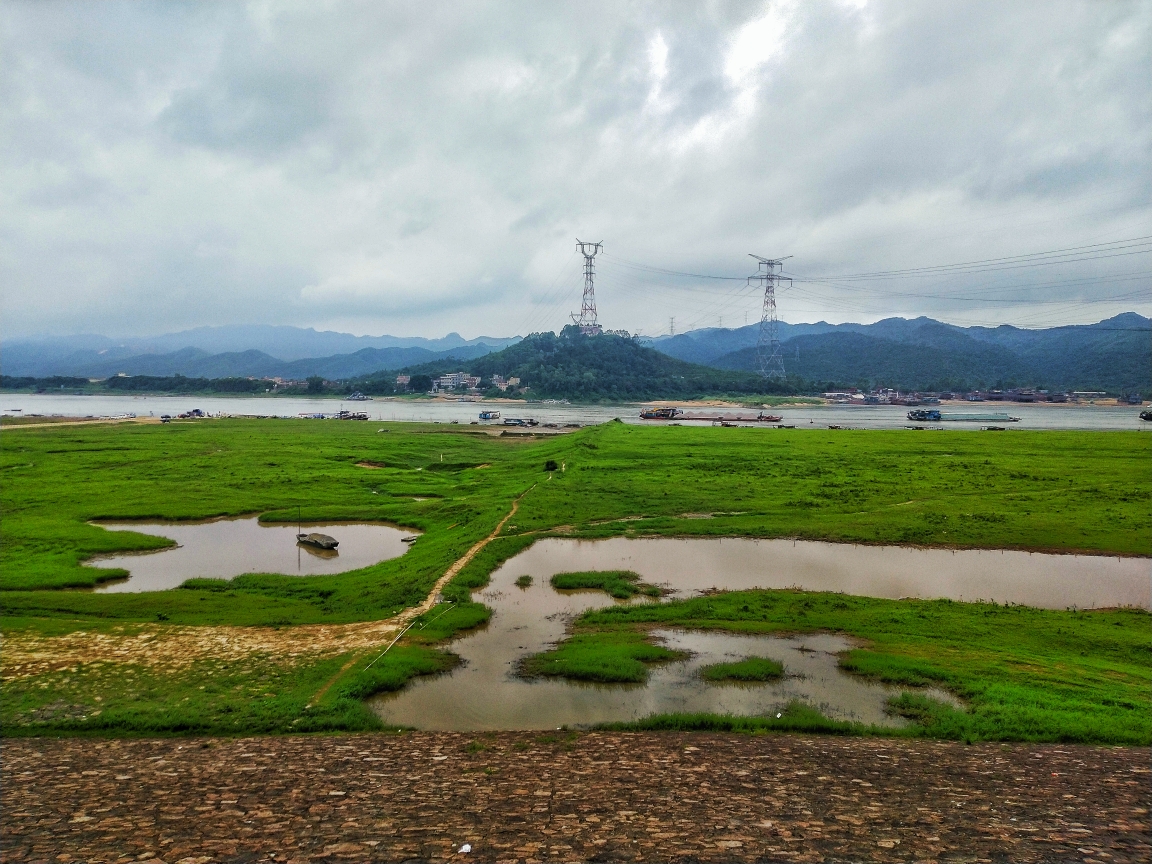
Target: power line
[[1071, 253]]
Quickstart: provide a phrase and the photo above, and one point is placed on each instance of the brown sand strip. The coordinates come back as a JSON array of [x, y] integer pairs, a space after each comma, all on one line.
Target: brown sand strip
[[596, 796]]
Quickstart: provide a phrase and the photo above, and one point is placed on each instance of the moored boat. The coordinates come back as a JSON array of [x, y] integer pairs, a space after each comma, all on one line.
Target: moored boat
[[320, 541], [659, 413]]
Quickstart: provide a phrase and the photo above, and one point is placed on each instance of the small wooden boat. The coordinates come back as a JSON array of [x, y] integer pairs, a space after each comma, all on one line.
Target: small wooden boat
[[320, 541]]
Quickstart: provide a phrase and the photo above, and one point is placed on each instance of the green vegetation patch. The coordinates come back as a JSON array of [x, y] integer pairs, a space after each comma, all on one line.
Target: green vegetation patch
[[618, 657], [796, 717], [1026, 674], [621, 584], [749, 669]]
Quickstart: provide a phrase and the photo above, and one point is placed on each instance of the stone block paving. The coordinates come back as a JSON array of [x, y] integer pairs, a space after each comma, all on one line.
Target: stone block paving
[[530, 797]]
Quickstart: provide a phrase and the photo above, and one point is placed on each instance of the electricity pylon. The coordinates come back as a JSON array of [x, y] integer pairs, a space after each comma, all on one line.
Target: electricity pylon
[[768, 357], [586, 320]]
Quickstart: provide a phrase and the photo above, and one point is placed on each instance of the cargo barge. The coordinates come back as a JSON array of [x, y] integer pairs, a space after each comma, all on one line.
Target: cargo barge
[[931, 415], [718, 417]]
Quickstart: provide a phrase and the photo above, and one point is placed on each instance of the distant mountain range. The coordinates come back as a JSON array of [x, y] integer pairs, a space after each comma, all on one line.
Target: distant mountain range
[[924, 354], [918, 354], [241, 351]]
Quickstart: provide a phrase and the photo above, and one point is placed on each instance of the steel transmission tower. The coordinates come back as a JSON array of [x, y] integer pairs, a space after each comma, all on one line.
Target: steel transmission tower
[[768, 357], [586, 320]]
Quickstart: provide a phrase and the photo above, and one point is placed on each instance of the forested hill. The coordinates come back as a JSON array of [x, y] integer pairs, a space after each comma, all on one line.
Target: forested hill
[[606, 367], [1114, 356]]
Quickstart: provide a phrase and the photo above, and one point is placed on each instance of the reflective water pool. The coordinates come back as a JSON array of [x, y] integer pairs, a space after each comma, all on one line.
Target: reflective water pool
[[689, 566], [224, 548], [485, 692]]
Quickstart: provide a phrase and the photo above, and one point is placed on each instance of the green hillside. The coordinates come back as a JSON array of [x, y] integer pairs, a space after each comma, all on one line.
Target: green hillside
[[928, 355], [592, 368]]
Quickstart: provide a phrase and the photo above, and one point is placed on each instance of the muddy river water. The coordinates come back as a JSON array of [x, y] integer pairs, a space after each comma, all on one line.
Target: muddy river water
[[485, 692], [224, 548]]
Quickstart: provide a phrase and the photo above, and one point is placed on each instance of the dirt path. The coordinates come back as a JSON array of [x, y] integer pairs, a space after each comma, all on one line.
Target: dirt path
[[94, 422], [168, 648], [598, 796], [413, 612]]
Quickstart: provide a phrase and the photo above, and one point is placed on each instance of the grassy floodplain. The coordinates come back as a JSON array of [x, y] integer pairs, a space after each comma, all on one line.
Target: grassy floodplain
[[1057, 491], [1026, 674]]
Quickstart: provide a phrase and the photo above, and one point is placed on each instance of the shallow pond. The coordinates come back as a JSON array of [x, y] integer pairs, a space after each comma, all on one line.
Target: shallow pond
[[484, 693], [224, 548], [689, 566]]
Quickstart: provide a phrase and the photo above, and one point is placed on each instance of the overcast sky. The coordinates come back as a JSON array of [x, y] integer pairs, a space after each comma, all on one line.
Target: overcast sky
[[419, 167]]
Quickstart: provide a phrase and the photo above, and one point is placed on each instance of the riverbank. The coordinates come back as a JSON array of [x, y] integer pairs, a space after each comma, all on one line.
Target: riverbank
[[807, 415]]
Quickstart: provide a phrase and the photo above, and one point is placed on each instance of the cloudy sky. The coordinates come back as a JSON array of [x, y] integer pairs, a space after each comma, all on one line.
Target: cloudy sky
[[419, 167]]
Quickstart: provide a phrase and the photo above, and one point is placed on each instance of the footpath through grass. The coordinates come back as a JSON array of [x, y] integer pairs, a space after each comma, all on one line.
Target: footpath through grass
[[1062, 491]]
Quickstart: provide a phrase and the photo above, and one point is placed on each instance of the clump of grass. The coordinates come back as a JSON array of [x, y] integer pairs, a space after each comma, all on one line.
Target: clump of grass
[[392, 672], [749, 669], [610, 658], [523, 581], [796, 717], [621, 584]]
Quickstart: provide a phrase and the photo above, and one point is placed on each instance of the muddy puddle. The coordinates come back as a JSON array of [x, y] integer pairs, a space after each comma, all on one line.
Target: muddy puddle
[[225, 548], [485, 693], [689, 566]]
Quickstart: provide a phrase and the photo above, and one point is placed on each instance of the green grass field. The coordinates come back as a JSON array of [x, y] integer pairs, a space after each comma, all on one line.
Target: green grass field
[[1061, 491]]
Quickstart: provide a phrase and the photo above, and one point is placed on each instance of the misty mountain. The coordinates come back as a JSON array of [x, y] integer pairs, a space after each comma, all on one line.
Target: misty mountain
[[195, 363], [57, 355], [923, 354]]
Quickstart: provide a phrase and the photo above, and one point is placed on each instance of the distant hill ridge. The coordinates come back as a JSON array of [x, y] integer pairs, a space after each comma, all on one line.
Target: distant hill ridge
[[924, 354], [921, 353], [217, 352]]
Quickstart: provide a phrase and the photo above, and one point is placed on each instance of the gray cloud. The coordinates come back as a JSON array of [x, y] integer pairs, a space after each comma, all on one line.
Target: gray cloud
[[419, 168]]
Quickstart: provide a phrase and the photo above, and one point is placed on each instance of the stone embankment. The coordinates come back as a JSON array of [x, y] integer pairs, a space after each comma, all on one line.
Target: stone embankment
[[527, 797]]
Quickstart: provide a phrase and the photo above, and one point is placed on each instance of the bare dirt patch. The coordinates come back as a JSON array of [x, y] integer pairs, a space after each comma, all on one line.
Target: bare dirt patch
[[174, 648], [566, 797]]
